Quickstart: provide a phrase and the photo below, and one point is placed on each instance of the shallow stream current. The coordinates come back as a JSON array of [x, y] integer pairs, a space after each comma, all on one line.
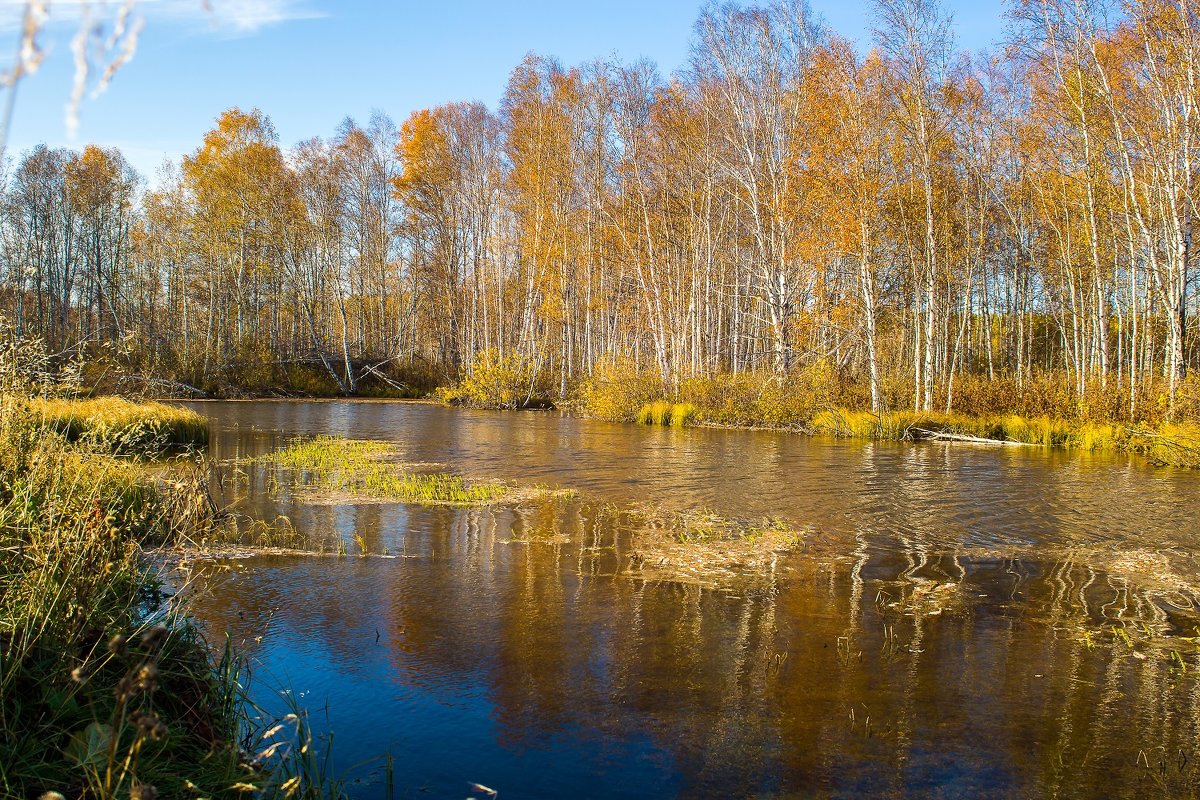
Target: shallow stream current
[[957, 621]]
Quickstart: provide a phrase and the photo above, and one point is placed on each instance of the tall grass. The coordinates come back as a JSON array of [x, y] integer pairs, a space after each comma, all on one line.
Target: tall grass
[[107, 690], [114, 425], [666, 413]]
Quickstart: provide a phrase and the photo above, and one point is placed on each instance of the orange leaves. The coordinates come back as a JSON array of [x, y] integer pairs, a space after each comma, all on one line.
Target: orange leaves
[[237, 173], [424, 160], [96, 178]]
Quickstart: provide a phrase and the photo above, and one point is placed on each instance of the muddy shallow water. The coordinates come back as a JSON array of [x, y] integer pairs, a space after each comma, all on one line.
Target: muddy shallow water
[[959, 621]]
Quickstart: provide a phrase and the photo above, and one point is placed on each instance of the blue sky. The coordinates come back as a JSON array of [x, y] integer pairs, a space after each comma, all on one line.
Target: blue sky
[[310, 63]]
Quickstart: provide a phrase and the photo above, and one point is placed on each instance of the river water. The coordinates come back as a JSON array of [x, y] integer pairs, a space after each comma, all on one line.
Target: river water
[[960, 621]]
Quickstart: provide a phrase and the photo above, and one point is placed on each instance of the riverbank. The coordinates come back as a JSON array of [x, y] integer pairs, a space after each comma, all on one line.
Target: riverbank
[[1165, 443], [1039, 411], [107, 688]]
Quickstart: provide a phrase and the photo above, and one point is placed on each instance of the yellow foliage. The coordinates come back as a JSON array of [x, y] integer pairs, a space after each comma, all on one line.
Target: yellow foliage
[[495, 381], [666, 413], [617, 391]]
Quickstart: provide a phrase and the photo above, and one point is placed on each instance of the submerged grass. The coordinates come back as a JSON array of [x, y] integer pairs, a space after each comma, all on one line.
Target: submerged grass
[[358, 468], [703, 547]]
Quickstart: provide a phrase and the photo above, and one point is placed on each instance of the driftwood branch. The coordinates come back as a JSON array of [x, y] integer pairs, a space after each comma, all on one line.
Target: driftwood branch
[[923, 433], [369, 369]]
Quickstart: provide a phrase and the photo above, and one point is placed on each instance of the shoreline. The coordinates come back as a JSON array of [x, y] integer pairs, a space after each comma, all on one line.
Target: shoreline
[[1171, 444]]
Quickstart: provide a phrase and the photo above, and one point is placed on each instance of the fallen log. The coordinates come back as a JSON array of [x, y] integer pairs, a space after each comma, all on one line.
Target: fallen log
[[924, 433]]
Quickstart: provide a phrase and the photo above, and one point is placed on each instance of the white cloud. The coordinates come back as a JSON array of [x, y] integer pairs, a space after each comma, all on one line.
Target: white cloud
[[250, 15], [229, 17]]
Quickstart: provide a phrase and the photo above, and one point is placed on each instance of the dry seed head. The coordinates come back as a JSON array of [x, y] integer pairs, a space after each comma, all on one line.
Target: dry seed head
[[154, 637], [51, 796], [124, 689], [148, 725], [117, 645], [78, 675], [143, 791], [147, 677]]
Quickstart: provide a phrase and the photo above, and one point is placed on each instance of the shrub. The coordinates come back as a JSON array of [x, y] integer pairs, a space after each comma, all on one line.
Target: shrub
[[617, 391], [495, 381]]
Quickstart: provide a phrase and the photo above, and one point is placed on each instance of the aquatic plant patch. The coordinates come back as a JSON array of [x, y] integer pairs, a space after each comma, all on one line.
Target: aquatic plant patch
[[347, 470], [702, 547]]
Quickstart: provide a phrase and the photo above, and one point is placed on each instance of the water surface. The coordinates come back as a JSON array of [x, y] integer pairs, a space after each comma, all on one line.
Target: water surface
[[961, 622]]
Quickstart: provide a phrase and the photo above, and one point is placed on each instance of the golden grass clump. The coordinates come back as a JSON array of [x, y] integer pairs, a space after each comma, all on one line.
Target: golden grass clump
[[666, 413], [120, 426]]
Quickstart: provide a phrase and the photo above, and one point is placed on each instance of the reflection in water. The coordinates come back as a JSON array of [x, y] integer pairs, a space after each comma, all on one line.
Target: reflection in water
[[963, 621]]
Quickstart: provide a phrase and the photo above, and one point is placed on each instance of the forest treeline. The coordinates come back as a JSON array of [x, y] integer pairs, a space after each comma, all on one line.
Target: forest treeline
[[907, 221]]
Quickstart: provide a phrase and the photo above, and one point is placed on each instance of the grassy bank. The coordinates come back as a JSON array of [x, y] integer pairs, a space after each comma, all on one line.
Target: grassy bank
[[107, 690], [819, 401], [1176, 445], [114, 425], [1040, 409]]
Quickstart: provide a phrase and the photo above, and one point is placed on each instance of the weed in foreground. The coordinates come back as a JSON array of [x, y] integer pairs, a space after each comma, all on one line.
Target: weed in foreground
[[106, 689]]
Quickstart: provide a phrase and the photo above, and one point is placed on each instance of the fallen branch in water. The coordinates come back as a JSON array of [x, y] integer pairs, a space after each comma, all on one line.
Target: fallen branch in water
[[961, 437]]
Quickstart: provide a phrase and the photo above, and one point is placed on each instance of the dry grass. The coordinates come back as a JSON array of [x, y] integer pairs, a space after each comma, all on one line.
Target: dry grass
[[668, 414], [114, 425], [704, 548]]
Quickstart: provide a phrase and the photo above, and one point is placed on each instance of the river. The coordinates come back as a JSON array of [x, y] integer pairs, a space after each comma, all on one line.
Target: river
[[959, 621]]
